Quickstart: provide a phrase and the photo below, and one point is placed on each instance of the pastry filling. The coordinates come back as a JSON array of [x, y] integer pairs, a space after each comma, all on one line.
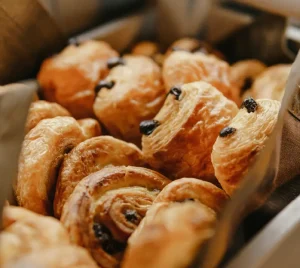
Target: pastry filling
[[148, 126], [104, 84], [250, 104], [176, 91], [247, 84], [227, 131], [115, 61], [131, 216]]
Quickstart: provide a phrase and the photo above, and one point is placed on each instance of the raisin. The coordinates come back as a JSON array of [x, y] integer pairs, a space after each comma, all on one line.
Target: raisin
[[176, 91], [250, 104], [227, 131], [247, 84], [148, 126], [131, 215], [115, 61], [104, 84]]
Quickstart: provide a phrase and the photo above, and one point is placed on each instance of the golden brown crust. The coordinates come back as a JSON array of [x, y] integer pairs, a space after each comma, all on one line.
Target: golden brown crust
[[232, 155], [40, 110], [110, 203], [90, 127], [145, 48], [91, 156], [42, 152], [169, 235], [70, 77], [188, 127], [198, 190], [137, 95], [183, 67]]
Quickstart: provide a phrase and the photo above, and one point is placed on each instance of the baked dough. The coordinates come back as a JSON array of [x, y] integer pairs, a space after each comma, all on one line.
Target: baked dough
[[170, 235], [90, 127], [183, 67], [137, 94], [179, 141], [42, 153], [105, 208], [70, 77], [91, 156], [40, 110], [243, 138], [145, 48]]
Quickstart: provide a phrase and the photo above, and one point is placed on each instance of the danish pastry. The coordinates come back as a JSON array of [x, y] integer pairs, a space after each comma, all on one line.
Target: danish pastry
[[184, 67], [91, 156], [170, 235], [70, 77], [271, 83], [240, 141], [132, 92], [178, 142], [145, 48], [42, 152], [105, 208], [40, 110], [90, 127]]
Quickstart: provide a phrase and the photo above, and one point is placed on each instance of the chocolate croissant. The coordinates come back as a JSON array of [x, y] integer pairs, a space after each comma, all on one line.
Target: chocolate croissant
[[178, 142], [106, 207], [132, 92], [91, 156], [241, 140]]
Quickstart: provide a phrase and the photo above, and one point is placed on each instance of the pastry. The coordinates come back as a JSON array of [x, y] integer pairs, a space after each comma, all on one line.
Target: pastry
[[42, 152], [170, 235], [88, 157], [132, 92], [271, 83], [70, 77], [145, 48], [241, 140], [178, 142], [244, 72], [183, 67], [40, 110], [105, 208], [90, 127]]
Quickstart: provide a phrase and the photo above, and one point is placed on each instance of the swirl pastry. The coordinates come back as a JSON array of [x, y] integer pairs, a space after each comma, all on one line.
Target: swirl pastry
[[184, 67], [132, 92], [271, 83], [105, 208], [70, 77], [178, 142], [170, 235], [90, 127], [42, 152], [91, 156], [240, 141], [40, 110]]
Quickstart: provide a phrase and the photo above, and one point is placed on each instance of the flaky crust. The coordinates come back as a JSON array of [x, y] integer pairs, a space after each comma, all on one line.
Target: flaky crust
[[145, 48], [271, 83], [105, 208], [40, 110], [182, 143], [137, 95], [42, 151], [169, 235], [91, 156], [183, 67], [70, 77], [90, 127], [232, 155], [195, 189]]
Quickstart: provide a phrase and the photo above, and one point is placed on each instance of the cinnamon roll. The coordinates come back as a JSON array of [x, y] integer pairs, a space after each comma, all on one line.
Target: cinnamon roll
[[241, 140], [42, 152], [184, 67], [178, 142], [70, 77], [91, 156], [132, 92], [90, 127], [105, 208]]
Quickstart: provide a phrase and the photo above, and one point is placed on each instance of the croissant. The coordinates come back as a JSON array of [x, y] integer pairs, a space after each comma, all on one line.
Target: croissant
[[88, 157], [90, 127], [132, 92], [240, 141], [70, 77], [178, 142], [184, 67], [42, 152], [105, 208]]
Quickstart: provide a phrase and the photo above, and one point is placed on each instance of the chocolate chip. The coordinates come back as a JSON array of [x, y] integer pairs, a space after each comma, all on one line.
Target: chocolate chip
[[176, 91], [74, 42], [148, 126], [104, 84], [250, 104], [115, 61], [247, 83], [227, 131], [131, 215]]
